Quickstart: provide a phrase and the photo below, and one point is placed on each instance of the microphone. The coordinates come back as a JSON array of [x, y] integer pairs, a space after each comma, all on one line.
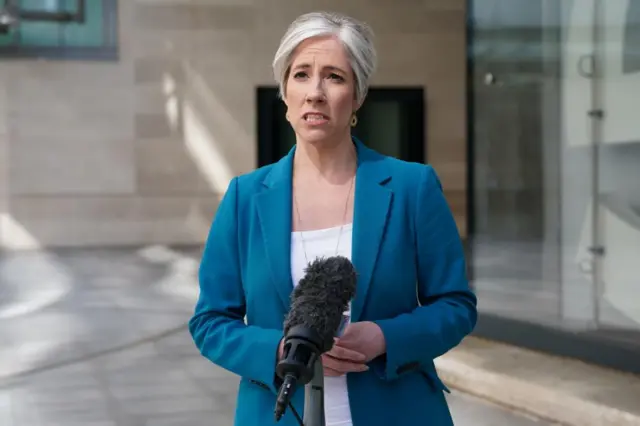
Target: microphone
[[316, 315]]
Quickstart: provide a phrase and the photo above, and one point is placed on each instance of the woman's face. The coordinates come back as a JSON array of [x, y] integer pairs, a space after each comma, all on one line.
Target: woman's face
[[320, 91]]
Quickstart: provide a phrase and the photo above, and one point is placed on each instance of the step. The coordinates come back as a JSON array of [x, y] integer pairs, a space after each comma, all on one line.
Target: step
[[556, 389]]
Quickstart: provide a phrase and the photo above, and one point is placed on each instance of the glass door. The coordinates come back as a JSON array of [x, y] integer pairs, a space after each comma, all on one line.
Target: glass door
[[617, 167], [515, 158], [555, 165], [580, 122]]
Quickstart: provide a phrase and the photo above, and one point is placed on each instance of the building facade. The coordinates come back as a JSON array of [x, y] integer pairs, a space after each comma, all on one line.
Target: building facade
[[126, 130], [136, 144], [555, 174]]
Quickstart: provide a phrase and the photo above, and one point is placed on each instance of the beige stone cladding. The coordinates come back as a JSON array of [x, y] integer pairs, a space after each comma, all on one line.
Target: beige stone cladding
[[138, 151]]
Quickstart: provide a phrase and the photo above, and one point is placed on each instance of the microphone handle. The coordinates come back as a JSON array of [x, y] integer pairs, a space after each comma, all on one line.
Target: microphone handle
[[314, 397], [284, 396]]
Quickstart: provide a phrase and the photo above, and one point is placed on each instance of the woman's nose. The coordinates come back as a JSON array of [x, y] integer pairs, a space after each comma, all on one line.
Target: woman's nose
[[315, 97], [316, 94]]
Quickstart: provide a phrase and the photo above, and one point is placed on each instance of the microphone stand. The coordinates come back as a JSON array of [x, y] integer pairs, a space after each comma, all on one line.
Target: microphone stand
[[314, 397]]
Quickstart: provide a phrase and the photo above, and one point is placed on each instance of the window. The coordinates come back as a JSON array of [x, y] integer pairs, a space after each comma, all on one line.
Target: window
[[391, 121], [65, 29]]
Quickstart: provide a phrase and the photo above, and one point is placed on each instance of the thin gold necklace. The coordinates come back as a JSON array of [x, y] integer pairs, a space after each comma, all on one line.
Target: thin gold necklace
[[346, 207]]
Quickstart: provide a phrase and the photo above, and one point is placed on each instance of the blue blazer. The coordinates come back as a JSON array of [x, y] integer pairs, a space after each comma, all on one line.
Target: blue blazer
[[411, 282]]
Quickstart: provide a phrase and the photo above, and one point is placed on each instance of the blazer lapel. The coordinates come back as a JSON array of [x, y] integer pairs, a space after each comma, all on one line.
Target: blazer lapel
[[371, 208], [274, 212]]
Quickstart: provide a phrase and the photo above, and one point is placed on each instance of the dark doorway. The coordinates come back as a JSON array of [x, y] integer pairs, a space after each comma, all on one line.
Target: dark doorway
[[391, 121]]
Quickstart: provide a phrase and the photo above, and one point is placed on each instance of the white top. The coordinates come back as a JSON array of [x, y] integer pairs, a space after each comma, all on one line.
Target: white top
[[323, 243]]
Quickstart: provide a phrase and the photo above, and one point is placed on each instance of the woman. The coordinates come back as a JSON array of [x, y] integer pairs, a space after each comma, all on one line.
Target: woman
[[331, 195]]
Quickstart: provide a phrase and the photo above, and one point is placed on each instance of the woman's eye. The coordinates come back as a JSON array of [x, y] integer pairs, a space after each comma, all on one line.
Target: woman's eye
[[336, 77], [300, 74]]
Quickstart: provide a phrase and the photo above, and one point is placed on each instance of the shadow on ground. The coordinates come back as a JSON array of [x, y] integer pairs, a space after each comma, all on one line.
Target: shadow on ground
[[63, 306]]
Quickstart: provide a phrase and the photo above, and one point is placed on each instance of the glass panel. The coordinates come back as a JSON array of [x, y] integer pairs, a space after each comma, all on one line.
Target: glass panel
[[631, 40], [556, 163], [619, 167], [579, 307], [39, 34], [41, 5], [515, 248], [34, 33], [89, 34], [7, 39]]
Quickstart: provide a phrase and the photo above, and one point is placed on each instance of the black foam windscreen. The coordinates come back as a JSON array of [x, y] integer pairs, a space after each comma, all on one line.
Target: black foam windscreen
[[322, 296]]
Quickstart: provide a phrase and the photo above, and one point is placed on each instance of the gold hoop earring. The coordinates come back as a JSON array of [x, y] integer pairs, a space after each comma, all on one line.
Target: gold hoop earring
[[354, 120]]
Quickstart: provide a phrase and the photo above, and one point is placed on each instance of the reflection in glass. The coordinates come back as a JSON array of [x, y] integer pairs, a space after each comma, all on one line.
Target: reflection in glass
[[556, 190], [631, 55], [94, 32], [515, 209]]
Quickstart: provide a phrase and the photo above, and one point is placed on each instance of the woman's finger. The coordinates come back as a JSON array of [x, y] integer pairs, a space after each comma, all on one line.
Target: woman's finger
[[332, 373], [342, 366], [341, 352]]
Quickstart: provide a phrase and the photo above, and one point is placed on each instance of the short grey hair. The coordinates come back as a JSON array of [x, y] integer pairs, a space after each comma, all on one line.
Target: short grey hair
[[356, 37]]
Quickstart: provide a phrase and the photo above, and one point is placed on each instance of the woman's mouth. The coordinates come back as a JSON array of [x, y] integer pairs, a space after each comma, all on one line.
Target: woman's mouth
[[315, 118]]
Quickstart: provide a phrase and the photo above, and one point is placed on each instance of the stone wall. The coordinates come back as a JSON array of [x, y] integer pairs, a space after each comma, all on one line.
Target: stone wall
[[138, 151]]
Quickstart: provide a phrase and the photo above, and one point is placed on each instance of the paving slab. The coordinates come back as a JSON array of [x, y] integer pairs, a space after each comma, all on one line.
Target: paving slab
[[98, 337], [61, 306], [165, 382], [560, 390]]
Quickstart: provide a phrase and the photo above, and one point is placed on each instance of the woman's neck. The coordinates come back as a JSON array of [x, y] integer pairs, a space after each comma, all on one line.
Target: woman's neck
[[331, 162]]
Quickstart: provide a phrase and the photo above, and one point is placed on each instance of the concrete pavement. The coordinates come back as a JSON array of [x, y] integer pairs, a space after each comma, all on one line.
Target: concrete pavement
[[98, 337], [60, 307], [160, 383]]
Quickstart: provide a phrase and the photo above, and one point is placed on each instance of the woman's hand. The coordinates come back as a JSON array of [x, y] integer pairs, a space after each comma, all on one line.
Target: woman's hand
[[280, 350], [363, 337], [360, 343], [339, 361]]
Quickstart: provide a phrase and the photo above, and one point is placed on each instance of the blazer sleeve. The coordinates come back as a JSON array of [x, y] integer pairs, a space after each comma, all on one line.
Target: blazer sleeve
[[447, 311], [217, 326]]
